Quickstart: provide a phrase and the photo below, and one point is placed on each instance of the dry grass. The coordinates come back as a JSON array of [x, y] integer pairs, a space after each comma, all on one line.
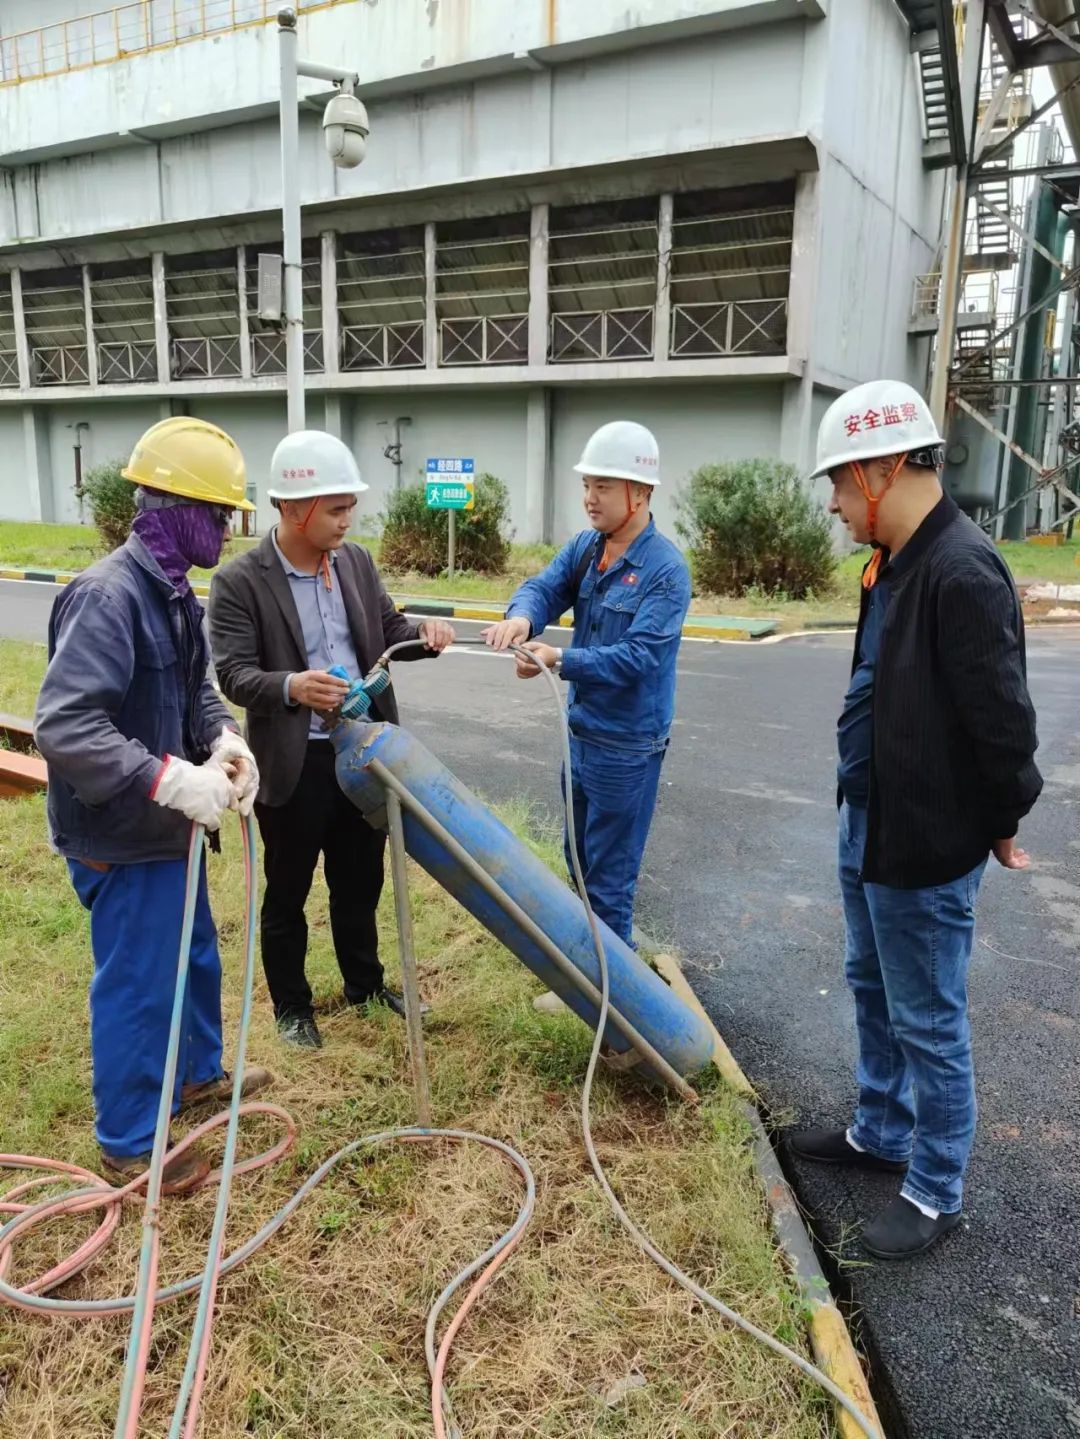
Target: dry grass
[[22, 665], [321, 1334]]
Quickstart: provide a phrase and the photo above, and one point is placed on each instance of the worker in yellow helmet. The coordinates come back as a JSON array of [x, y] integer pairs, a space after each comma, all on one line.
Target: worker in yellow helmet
[[139, 746]]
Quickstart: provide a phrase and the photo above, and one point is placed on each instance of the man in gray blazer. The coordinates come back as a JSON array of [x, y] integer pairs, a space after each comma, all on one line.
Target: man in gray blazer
[[281, 616]]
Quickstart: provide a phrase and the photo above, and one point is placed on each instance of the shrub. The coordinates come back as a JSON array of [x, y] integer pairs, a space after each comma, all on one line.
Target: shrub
[[415, 538], [751, 523], [112, 502]]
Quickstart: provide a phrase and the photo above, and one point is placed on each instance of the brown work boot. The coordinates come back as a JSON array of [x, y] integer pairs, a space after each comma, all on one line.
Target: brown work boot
[[219, 1091], [180, 1175]]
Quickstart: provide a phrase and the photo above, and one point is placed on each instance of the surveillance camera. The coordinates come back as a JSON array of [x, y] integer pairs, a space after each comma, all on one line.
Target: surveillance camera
[[345, 131]]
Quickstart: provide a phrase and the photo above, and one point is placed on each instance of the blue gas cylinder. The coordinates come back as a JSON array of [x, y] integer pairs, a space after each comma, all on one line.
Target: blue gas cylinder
[[637, 992]]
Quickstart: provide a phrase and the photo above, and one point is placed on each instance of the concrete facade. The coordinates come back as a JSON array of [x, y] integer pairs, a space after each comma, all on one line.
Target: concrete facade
[[479, 110]]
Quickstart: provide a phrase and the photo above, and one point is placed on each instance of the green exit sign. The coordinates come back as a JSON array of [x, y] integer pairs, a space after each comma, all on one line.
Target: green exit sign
[[453, 493]]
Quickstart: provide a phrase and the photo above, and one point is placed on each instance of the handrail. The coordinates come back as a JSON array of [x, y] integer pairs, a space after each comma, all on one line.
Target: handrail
[[136, 28]]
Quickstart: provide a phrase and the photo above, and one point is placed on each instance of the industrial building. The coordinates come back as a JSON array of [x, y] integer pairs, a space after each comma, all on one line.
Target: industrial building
[[708, 215]]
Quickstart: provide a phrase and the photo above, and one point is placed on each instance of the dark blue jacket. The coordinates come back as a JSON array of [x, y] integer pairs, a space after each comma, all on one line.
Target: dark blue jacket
[[627, 627], [113, 703]]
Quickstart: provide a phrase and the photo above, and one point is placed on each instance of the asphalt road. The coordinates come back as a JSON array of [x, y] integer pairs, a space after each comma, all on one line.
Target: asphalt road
[[981, 1339]]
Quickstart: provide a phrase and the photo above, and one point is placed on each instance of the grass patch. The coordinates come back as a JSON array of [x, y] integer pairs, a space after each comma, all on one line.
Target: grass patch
[[1028, 563], [525, 561], [22, 666], [321, 1333], [73, 547]]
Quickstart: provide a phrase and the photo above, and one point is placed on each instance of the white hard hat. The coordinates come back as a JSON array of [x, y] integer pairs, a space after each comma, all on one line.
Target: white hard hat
[[309, 463], [884, 417], [621, 450]]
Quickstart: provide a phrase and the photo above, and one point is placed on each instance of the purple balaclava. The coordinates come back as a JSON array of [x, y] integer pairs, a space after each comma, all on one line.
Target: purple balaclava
[[180, 535]]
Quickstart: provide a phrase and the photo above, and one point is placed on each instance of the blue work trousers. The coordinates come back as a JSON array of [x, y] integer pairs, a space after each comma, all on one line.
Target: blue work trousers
[[136, 914], [907, 964], [614, 794]]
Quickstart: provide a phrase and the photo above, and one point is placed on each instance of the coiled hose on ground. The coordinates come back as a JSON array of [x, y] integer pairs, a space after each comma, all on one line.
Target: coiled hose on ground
[[95, 1193]]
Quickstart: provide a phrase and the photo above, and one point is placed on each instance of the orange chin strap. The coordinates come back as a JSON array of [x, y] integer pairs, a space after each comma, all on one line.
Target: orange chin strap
[[870, 574], [324, 564], [605, 558]]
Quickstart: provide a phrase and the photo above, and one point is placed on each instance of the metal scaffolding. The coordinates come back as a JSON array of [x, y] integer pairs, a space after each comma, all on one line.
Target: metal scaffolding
[[1007, 360]]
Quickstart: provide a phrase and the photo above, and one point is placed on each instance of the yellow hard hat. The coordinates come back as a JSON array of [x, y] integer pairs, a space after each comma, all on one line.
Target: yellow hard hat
[[190, 457]]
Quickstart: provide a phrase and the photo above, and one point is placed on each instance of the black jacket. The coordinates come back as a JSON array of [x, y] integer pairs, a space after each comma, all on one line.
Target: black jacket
[[256, 639], [952, 767]]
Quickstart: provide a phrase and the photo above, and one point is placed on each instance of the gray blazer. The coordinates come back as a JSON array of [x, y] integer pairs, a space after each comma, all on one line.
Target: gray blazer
[[256, 639]]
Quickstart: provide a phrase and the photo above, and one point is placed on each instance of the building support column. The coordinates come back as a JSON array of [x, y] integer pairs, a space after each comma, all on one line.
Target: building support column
[[334, 417], [242, 313], [88, 320], [797, 439], [22, 343], [161, 317], [431, 332], [539, 225], [662, 313], [37, 457], [539, 493], [331, 325]]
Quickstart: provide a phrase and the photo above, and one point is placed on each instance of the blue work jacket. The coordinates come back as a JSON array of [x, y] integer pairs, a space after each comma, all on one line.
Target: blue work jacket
[[116, 698], [627, 627]]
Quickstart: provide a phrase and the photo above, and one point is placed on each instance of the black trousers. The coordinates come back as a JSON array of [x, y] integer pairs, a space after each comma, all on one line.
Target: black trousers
[[318, 819]]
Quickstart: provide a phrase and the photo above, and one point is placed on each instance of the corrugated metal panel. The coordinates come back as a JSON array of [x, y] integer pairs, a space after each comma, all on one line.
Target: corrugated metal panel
[[381, 277], [482, 267], [603, 257], [54, 308], [122, 298], [746, 255], [201, 295]]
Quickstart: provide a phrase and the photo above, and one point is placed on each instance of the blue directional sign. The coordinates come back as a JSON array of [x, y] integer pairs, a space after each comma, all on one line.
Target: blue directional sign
[[450, 484]]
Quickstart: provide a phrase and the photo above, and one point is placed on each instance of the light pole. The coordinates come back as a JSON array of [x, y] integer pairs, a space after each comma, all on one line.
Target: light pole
[[345, 132]]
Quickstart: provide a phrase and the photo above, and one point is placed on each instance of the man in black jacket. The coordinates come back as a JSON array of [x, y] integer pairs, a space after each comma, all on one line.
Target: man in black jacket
[[281, 617], [936, 770]]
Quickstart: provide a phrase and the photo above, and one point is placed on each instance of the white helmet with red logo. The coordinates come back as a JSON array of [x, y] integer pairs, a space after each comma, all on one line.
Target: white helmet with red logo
[[310, 463], [884, 417], [622, 450]]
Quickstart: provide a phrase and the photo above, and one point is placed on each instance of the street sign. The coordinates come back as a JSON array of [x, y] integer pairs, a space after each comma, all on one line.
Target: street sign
[[449, 484]]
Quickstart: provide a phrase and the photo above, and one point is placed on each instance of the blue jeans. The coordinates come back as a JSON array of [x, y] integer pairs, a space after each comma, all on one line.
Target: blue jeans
[[614, 797], [906, 964], [136, 912]]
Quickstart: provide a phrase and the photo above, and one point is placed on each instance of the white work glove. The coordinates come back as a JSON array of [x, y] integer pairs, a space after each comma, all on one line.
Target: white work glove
[[230, 753], [202, 792]]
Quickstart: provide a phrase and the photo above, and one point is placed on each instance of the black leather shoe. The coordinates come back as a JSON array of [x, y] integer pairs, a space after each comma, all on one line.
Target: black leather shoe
[[902, 1230], [830, 1146], [391, 998], [301, 1031]]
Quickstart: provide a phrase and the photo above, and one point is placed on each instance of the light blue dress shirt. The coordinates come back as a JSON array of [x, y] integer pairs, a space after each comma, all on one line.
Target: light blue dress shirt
[[325, 626]]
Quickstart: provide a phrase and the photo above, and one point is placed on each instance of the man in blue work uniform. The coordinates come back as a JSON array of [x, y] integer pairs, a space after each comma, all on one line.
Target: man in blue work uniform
[[629, 588], [936, 770], [140, 746]]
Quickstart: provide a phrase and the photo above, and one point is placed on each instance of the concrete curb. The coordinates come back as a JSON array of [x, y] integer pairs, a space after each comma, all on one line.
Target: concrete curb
[[834, 1351], [703, 627]]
